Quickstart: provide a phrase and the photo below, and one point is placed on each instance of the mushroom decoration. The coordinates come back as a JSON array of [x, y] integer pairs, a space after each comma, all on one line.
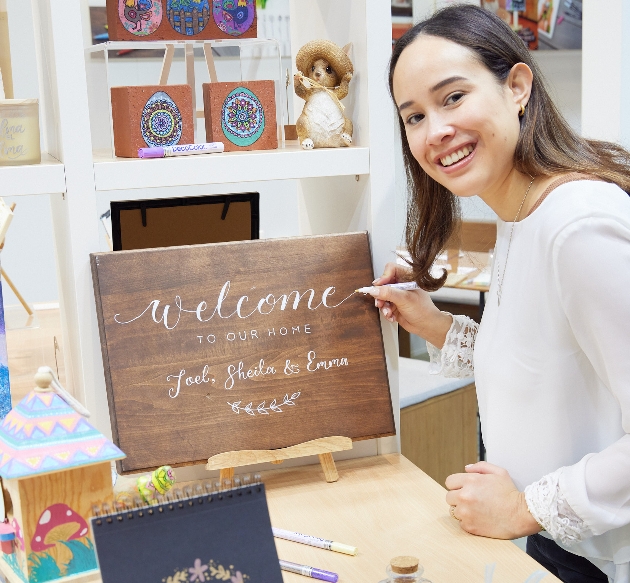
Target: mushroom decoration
[[58, 523], [55, 467]]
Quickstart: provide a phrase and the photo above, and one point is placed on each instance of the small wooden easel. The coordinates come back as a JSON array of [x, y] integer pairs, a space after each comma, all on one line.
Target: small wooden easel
[[323, 447], [189, 58], [3, 230]]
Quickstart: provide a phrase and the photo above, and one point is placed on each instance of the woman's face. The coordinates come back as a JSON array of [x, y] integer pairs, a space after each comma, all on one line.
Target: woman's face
[[461, 124]]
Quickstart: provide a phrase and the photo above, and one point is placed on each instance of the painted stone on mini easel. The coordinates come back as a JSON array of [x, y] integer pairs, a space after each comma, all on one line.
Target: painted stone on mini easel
[[151, 116], [241, 115], [140, 17], [188, 17], [234, 17]]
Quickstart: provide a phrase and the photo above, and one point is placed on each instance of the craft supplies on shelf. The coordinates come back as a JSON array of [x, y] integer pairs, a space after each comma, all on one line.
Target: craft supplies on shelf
[[103, 76]]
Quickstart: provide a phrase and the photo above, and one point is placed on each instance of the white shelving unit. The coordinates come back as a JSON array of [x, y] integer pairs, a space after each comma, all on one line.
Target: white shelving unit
[[45, 178], [334, 189], [289, 163]]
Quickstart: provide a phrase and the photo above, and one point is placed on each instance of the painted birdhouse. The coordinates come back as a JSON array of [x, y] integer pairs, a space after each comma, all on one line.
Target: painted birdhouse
[[55, 467]]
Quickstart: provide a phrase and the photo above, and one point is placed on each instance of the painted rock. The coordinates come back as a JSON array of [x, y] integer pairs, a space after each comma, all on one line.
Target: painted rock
[[188, 17], [233, 17], [140, 17]]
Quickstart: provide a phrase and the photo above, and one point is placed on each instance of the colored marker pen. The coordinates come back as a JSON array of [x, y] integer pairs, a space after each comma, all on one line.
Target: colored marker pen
[[180, 150], [320, 543], [309, 571]]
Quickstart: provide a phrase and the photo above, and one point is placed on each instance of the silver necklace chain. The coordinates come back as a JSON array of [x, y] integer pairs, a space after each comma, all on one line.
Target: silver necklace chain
[[501, 277]]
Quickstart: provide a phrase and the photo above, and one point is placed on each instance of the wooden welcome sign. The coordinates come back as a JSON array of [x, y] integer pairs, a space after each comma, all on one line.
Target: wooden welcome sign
[[234, 346]]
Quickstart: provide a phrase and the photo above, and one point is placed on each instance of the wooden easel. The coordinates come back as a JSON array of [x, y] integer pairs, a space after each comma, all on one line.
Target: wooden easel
[[189, 58], [322, 447], [25, 305]]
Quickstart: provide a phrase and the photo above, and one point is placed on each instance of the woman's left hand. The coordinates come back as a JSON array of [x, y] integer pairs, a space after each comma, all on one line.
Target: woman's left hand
[[487, 503]]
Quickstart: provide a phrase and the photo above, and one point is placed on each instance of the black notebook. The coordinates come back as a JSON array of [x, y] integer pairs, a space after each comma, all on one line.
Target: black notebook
[[224, 536]]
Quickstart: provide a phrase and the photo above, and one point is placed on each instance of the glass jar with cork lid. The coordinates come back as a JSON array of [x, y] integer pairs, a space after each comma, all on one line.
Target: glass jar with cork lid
[[405, 569]]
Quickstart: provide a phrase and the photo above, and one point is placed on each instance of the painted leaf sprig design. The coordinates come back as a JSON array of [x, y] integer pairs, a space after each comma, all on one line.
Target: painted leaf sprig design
[[202, 573], [179, 577], [262, 408], [220, 572]]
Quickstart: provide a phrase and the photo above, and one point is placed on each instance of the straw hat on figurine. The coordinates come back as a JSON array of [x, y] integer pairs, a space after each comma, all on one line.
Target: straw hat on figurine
[[324, 49]]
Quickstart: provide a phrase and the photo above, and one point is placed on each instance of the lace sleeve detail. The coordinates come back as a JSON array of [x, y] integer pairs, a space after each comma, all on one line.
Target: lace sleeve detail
[[455, 359], [551, 510]]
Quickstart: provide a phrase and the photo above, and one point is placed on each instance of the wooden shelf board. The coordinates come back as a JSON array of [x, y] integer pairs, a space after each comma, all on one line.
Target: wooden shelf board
[[282, 164], [44, 178]]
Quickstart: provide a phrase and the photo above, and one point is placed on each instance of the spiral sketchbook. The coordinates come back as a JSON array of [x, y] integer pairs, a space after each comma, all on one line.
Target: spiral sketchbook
[[210, 537]]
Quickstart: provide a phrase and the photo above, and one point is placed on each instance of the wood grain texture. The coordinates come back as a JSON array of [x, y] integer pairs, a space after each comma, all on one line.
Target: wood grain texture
[[386, 507], [328, 465], [226, 474], [322, 446], [79, 488], [440, 434], [221, 409]]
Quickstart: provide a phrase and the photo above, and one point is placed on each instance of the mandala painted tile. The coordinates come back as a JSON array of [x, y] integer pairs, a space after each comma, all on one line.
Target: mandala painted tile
[[161, 121], [242, 117]]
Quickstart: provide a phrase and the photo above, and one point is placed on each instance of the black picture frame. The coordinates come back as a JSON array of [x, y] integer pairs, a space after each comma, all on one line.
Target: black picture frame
[[223, 199]]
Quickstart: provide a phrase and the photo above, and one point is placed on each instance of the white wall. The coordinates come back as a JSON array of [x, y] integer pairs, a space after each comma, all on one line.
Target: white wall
[[28, 256], [606, 73]]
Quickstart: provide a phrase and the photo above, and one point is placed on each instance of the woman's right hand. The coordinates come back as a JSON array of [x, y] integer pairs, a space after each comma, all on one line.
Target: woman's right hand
[[413, 310]]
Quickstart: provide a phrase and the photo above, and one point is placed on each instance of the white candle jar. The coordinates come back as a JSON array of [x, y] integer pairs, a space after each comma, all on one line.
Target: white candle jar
[[19, 132]]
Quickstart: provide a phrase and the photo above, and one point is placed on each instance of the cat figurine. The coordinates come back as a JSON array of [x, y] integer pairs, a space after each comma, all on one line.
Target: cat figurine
[[323, 79]]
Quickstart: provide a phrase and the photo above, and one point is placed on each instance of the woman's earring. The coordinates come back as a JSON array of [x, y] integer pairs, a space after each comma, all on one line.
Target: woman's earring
[[522, 112]]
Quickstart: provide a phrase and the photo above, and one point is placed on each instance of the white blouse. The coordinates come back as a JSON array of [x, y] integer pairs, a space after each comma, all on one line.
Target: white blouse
[[552, 368]]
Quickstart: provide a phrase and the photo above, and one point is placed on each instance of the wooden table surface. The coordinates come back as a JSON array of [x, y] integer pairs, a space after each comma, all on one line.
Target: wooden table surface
[[386, 507]]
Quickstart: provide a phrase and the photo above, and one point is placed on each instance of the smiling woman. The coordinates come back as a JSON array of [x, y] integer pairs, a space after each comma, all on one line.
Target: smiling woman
[[550, 355], [472, 68]]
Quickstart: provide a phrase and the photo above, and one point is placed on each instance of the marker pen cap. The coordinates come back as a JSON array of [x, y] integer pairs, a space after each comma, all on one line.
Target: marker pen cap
[[151, 153], [341, 548]]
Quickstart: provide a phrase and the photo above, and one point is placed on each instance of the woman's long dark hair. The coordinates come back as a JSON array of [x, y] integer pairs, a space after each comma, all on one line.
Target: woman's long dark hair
[[546, 144]]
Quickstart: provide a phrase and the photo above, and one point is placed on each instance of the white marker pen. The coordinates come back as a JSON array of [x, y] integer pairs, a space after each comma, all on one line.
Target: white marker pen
[[180, 150], [320, 543], [406, 286]]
